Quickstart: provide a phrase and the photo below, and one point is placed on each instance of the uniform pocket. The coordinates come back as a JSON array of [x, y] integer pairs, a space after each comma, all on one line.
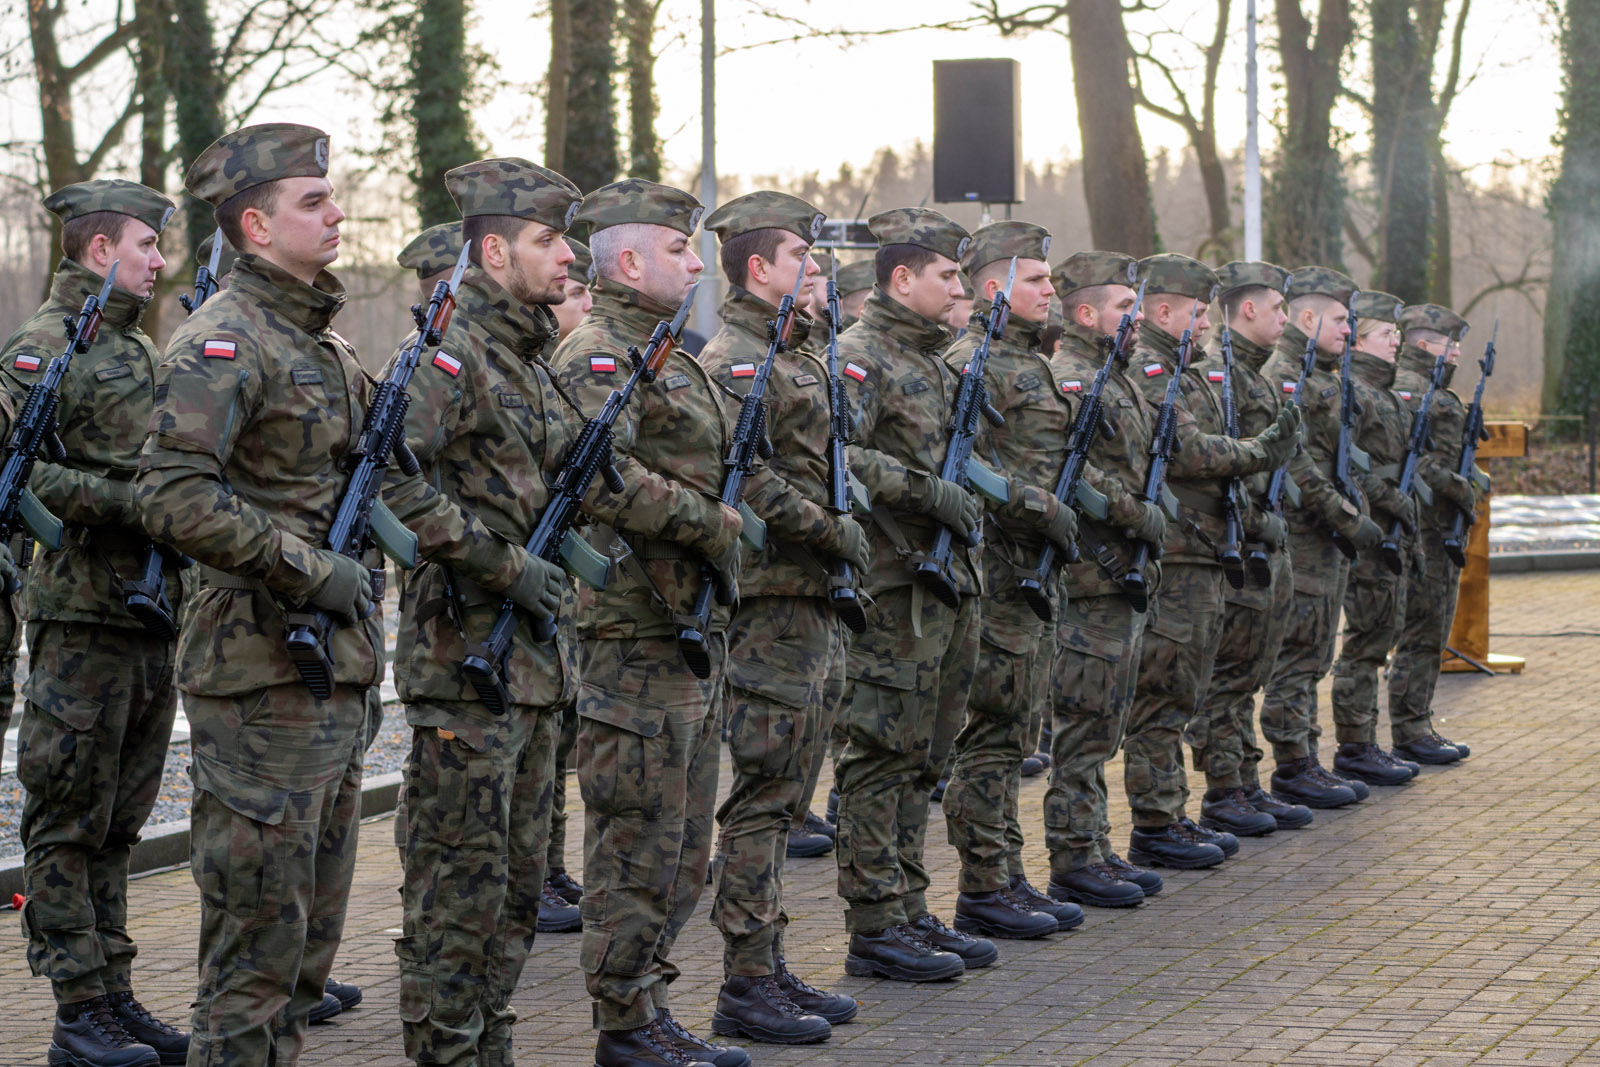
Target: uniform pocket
[[622, 769], [56, 740], [416, 979]]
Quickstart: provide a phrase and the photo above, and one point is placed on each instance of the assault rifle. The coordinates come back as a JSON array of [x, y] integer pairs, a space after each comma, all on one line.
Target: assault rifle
[[1070, 488], [1471, 436], [1416, 448], [1134, 584], [1347, 454], [553, 540], [749, 441], [1235, 498], [362, 518], [205, 277], [972, 398], [842, 581]]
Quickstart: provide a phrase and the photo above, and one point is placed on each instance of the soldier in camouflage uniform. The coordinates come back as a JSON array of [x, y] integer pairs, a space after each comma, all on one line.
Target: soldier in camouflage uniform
[[579, 299], [1374, 600], [1014, 650], [786, 649], [1255, 616], [856, 281], [490, 431], [1427, 331], [432, 255], [1318, 303], [1181, 637], [911, 670], [258, 400], [98, 701], [647, 727]]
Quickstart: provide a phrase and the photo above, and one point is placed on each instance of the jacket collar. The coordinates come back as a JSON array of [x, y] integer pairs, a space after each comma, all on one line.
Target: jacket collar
[[310, 307]]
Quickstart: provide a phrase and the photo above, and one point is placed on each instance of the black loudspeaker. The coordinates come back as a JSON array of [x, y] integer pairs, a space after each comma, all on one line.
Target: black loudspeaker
[[977, 131]]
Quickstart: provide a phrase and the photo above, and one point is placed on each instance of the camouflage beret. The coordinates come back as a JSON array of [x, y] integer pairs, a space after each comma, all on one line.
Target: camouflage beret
[[1002, 240], [637, 200], [225, 261], [824, 261], [766, 210], [1085, 270], [1433, 317], [433, 251], [1371, 304], [1242, 275], [111, 194], [254, 156], [1180, 275], [923, 228], [581, 269], [513, 187], [854, 277], [1322, 281]]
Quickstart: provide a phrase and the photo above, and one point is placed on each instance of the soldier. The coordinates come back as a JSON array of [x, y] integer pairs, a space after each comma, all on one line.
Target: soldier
[[1007, 700], [1254, 617], [855, 285], [432, 254], [956, 318], [258, 401], [786, 649], [579, 300], [1180, 642], [1097, 632], [98, 701], [490, 431], [648, 726], [1374, 602], [911, 670], [1427, 331], [1318, 304]]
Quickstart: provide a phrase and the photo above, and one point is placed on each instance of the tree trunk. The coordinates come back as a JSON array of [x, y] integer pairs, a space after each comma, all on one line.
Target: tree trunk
[[1402, 137], [589, 158], [1569, 371], [556, 85], [191, 69], [1439, 292], [151, 87], [441, 121], [1116, 182], [644, 148], [1304, 209]]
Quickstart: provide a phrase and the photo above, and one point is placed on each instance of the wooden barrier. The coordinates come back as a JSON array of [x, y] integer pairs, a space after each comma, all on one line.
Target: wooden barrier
[[1468, 646]]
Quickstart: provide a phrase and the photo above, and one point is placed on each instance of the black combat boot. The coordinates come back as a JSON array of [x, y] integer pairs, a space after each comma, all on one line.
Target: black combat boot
[[556, 916], [1430, 748], [696, 1047], [89, 1034], [1172, 846], [939, 787], [803, 844], [1068, 915], [1149, 881], [651, 1045], [1365, 761], [999, 914], [1288, 816], [899, 953], [817, 825], [170, 1043], [1221, 838], [758, 1008], [1231, 810], [1098, 886], [1296, 781], [834, 1007], [1356, 785], [833, 805], [975, 952], [566, 887], [1459, 746], [1033, 766]]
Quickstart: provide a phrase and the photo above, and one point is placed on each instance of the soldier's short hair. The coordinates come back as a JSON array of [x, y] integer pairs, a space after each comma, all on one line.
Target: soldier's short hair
[[1234, 299], [475, 228], [77, 234], [736, 252], [230, 213], [1096, 296], [913, 258], [607, 244]]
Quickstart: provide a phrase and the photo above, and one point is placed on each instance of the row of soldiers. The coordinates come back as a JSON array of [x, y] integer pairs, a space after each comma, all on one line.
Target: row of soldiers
[[232, 450]]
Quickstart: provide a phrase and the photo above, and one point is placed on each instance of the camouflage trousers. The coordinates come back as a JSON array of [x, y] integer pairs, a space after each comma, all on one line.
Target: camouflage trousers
[[1175, 661], [906, 699], [1096, 659], [98, 711], [1253, 623], [565, 740], [1002, 728], [10, 640], [1289, 709], [647, 769], [477, 801], [1374, 608], [273, 833], [1430, 609], [786, 659]]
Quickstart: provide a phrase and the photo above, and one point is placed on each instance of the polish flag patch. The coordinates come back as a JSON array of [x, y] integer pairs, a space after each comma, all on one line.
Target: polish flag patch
[[447, 363], [853, 371], [215, 349], [1072, 387], [1215, 375], [1154, 370], [603, 364], [743, 370], [1404, 395], [27, 361], [1288, 387]]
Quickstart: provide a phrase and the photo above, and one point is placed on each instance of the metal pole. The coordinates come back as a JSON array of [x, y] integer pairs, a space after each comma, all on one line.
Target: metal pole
[[706, 299], [1252, 146]]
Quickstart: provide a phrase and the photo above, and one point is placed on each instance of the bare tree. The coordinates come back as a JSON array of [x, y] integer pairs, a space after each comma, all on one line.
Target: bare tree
[[556, 84]]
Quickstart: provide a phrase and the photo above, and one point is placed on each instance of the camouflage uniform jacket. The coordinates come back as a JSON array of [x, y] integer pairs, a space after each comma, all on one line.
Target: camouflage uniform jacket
[[490, 431], [106, 399], [1385, 430], [1202, 453], [1413, 371], [792, 496], [673, 435], [1321, 505], [903, 394], [258, 405], [1120, 455]]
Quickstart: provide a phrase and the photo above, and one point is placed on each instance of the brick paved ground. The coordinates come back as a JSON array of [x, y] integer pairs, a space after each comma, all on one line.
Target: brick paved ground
[[1448, 922]]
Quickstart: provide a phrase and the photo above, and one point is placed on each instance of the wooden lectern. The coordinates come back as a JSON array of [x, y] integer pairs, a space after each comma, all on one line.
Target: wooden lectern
[[1468, 646]]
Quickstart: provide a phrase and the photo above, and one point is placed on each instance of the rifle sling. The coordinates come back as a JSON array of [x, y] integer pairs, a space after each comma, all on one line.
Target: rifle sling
[[1195, 500]]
